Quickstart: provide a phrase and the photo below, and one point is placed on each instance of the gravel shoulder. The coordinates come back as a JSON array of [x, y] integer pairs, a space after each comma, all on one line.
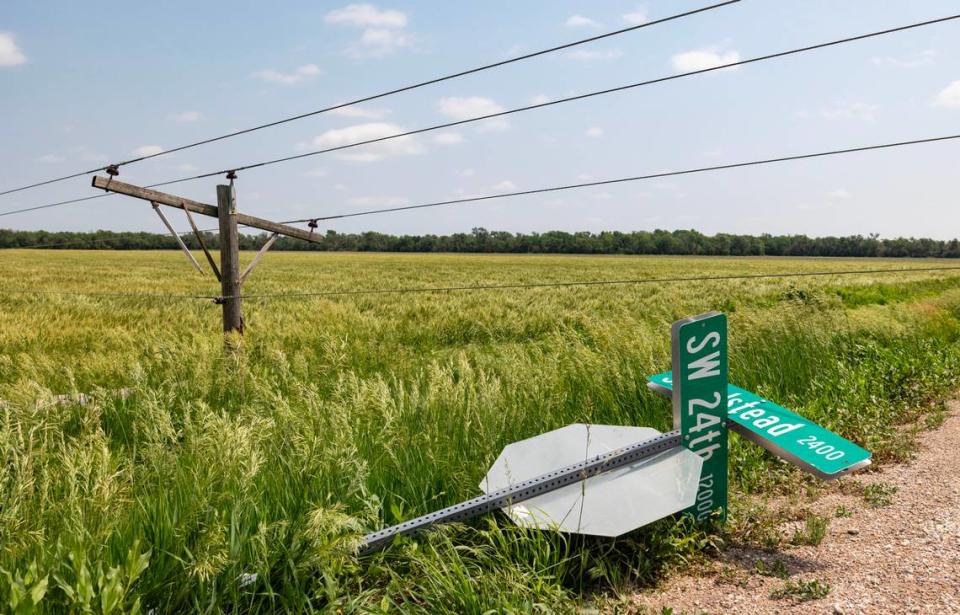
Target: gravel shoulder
[[899, 558]]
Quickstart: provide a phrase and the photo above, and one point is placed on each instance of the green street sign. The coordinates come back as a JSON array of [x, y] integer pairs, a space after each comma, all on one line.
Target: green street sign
[[786, 434], [700, 405]]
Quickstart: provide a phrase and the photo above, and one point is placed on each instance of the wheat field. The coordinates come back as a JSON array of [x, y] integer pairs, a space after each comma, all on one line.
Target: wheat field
[[241, 481]]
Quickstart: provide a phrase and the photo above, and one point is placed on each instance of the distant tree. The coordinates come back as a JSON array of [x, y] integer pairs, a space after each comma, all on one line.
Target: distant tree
[[551, 242]]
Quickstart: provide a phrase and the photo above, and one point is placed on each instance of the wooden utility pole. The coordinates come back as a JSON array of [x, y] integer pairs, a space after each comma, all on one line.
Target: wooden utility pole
[[231, 280], [229, 259]]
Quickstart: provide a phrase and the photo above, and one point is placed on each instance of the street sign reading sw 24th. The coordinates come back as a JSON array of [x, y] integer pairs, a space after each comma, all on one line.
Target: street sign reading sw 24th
[[784, 433], [699, 346]]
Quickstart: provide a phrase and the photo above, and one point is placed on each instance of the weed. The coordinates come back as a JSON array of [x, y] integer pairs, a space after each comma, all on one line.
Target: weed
[[801, 591], [776, 568], [731, 575], [842, 511], [813, 532], [879, 494]]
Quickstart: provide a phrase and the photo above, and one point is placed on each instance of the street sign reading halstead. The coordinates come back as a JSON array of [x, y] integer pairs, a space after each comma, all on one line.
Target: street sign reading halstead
[[786, 434], [699, 407]]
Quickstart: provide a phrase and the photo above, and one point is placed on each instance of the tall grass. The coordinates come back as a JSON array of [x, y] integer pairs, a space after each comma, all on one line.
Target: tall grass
[[242, 482]]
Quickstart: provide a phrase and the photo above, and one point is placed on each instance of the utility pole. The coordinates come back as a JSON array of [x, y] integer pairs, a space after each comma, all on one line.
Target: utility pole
[[229, 258], [231, 280]]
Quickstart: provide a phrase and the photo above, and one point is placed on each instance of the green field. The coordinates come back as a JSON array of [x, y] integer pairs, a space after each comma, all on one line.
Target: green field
[[345, 413]]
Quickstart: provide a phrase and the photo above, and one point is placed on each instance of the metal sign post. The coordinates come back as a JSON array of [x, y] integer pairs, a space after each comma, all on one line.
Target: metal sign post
[[606, 480], [700, 404]]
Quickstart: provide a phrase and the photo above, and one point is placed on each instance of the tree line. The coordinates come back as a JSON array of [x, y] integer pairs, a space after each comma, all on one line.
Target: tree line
[[681, 242]]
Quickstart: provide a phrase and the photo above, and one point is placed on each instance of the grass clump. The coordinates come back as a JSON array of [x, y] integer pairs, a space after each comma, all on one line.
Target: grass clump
[[813, 532]]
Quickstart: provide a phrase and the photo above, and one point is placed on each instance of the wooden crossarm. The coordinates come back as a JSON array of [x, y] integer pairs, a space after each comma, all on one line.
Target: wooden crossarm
[[155, 196]]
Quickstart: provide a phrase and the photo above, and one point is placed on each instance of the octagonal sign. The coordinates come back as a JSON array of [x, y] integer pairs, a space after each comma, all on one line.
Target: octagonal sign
[[608, 504]]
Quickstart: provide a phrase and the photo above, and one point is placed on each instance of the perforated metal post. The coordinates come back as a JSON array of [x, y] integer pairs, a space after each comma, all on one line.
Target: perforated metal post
[[527, 489]]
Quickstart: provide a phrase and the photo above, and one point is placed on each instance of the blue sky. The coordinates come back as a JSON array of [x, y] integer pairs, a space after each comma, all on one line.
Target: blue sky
[[84, 84]]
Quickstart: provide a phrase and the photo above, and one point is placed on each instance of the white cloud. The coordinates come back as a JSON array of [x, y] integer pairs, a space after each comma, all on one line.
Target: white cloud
[[468, 172], [379, 201], [843, 110], [579, 21], [469, 107], [186, 117], [300, 74], [587, 55], [316, 173], [366, 15], [400, 146], [540, 99], [339, 187], [10, 54], [637, 17], [448, 138], [924, 58], [383, 32], [379, 42], [840, 193], [50, 159], [603, 196], [505, 186], [702, 59], [147, 150], [354, 111], [949, 96], [594, 131], [186, 168]]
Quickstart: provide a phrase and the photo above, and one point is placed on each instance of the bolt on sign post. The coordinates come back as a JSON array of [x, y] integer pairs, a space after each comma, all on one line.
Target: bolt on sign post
[[700, 404]]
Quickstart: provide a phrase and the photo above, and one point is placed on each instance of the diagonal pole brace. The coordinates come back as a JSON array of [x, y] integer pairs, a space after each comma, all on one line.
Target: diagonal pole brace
[[183, 246], [203, 246], [256, 259]]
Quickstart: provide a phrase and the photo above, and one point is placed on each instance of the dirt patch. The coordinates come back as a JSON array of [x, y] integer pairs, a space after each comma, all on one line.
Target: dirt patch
[[899, 552]]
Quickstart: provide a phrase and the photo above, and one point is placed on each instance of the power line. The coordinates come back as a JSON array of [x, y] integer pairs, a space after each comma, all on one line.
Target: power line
[[560, 101], [620, 180], [71, 293], [715, 278], [521, 109], [487, 287], [56, 204], [605, 182], [364, 99]]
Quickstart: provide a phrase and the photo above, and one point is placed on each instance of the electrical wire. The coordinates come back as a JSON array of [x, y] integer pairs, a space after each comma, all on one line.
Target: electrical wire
[[620, 180], [568, 99], [525, 108], [488, 287], [365, 99], [71, 293], [605, 182]]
